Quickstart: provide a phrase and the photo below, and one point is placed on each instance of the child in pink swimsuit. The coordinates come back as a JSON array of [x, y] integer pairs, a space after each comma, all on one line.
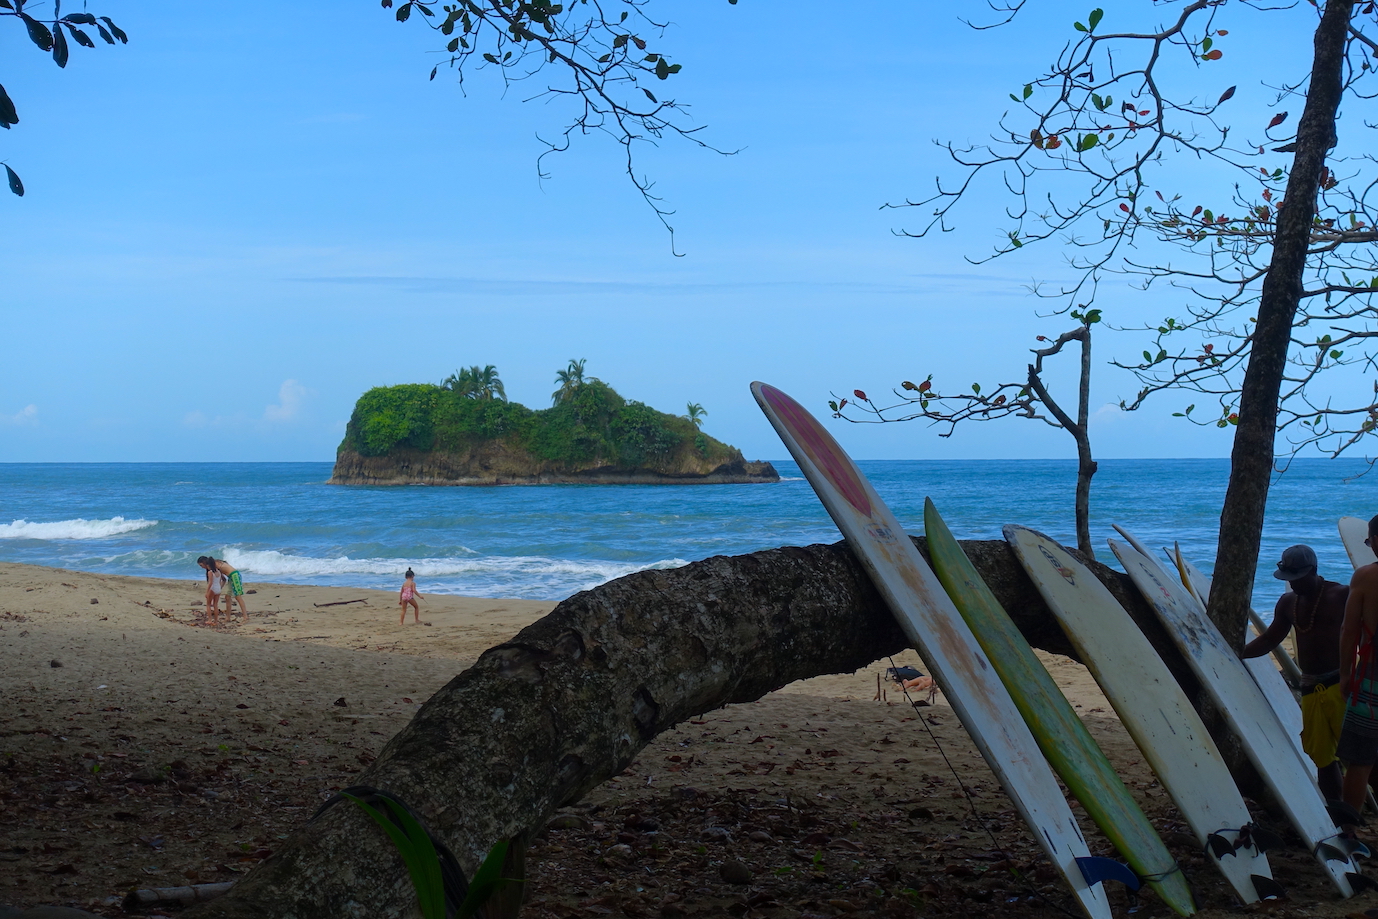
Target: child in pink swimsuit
[[409, 595]]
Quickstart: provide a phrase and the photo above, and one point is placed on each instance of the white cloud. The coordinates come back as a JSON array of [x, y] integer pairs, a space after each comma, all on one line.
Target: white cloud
[[291, 396], [1106, 415], [27, 415], [196, 419]]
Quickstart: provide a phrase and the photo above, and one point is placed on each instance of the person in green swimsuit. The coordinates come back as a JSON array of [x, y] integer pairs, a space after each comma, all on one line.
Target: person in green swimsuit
[[231, 574]]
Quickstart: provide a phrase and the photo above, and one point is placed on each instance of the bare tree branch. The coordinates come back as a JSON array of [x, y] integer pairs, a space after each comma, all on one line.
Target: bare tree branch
[[602, 63]]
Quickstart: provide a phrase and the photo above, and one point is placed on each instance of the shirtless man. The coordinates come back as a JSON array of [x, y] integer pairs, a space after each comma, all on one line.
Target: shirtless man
[[1315, 608], [1359, 677], [231, 573]]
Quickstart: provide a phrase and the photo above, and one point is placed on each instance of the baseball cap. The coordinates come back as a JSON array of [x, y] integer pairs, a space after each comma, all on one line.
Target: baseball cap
[[1297, 561]]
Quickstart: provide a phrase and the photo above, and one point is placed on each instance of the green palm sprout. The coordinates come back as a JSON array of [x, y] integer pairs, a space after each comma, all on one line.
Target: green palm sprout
[[429, 862]]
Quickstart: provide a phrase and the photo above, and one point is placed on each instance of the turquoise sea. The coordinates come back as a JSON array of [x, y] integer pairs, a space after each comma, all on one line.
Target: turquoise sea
[[281, 522]]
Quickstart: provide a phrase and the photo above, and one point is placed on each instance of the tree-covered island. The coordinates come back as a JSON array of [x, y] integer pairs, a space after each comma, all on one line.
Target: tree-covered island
[[464, 431]]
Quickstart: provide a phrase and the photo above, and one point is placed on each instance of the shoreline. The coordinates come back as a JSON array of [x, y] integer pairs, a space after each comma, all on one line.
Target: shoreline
[[140, 748]]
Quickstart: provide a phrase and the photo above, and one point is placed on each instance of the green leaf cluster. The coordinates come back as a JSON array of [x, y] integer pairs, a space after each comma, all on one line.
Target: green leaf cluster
[[49, 36], [423, 863], [591, 425]]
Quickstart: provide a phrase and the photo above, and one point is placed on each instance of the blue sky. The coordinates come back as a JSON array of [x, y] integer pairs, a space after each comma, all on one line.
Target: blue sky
[[244, 218]]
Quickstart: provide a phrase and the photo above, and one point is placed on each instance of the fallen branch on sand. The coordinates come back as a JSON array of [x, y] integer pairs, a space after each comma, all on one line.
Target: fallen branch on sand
[[543, 718], [341, 603], [175, 896]]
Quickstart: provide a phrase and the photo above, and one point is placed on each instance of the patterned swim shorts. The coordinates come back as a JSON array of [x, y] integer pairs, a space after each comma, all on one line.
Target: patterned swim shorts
[[1359, 736], [236, 584]]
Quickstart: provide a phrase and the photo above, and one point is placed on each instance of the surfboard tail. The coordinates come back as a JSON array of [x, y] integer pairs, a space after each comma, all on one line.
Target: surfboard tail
[[1267, 888], [1331, 853], [1343, 814], [1250, 836]]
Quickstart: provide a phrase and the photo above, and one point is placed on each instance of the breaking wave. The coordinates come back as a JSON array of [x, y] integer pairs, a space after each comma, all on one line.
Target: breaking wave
[[79, 528], [480, 575]]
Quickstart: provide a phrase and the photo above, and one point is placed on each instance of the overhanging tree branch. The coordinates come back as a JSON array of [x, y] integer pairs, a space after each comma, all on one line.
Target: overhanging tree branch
[[1278, 323], [603, 63], [1025, 399], [51, 35]]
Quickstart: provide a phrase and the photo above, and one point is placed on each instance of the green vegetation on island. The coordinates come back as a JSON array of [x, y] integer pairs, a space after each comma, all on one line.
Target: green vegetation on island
[[465, 431]]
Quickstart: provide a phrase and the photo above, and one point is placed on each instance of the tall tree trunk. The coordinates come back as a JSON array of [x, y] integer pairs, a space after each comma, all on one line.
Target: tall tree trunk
[[1251, 460], [540, 720]]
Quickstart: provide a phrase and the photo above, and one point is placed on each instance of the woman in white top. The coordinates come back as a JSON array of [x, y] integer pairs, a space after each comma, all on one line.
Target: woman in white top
[[215, 586]]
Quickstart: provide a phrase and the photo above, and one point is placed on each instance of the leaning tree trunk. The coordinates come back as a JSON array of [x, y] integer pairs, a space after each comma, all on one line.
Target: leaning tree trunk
[[540, 720], [1251, 460]]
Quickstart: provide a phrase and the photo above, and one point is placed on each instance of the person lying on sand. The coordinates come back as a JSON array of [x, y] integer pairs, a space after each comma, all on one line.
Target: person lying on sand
[[916, 680], [231, 574], [1316, 609], [409, 594]]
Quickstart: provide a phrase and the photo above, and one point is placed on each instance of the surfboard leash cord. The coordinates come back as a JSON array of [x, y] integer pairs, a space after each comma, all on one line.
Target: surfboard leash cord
[[971, 802]]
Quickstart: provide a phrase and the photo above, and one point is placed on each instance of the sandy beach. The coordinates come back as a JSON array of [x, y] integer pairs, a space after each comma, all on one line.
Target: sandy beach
[[140, 748]]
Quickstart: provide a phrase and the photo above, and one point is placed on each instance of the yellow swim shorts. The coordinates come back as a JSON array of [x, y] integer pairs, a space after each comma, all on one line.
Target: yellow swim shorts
[[1322, 715]]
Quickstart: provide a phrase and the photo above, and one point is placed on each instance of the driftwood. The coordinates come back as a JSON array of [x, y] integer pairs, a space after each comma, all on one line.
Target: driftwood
[[540, 720], [146, 897], [341, 603]]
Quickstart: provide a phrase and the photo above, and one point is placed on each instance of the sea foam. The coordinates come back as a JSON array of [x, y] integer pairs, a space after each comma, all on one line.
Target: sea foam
[[479, 574], [79, 528]]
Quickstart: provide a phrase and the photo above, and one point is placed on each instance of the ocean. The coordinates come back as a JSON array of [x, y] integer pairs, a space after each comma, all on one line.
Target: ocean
[[281, 522]]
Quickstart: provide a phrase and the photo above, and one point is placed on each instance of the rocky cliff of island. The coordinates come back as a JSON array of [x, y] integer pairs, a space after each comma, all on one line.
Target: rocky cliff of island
[[424, 434]]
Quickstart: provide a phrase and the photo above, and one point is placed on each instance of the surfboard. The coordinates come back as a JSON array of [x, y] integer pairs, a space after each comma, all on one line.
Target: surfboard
[[1151, 706], [1061, 736], [1184, 568], [1353, 531], [937, 630], [1248, 713], [1268, 678]]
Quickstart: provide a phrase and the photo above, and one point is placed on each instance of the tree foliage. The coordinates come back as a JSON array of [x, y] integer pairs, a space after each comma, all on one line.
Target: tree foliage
[[609, 65], [695, 413], [52, 36], [476, 382], [570, 380], [590, 425], [1279, 260], [1102, 116], [1028, 398]]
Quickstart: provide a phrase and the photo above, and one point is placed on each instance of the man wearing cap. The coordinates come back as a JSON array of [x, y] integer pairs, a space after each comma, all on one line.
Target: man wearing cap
[[1359, 677], [1314, 607]]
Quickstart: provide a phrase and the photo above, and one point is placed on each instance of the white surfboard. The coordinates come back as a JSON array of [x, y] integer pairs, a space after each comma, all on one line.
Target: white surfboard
[[1354, 531], [1152, 707], [1290, 670], [1246, 710], [942, 638], [1268, 677]]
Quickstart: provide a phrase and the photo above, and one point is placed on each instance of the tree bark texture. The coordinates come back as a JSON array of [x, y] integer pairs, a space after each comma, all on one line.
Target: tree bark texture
[[1086, 466], [1251, 459], [540, 720]]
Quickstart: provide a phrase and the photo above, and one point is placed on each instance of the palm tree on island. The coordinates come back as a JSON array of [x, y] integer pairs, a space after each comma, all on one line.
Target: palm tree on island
[[696, 414], [477, 382], [570, 379]]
